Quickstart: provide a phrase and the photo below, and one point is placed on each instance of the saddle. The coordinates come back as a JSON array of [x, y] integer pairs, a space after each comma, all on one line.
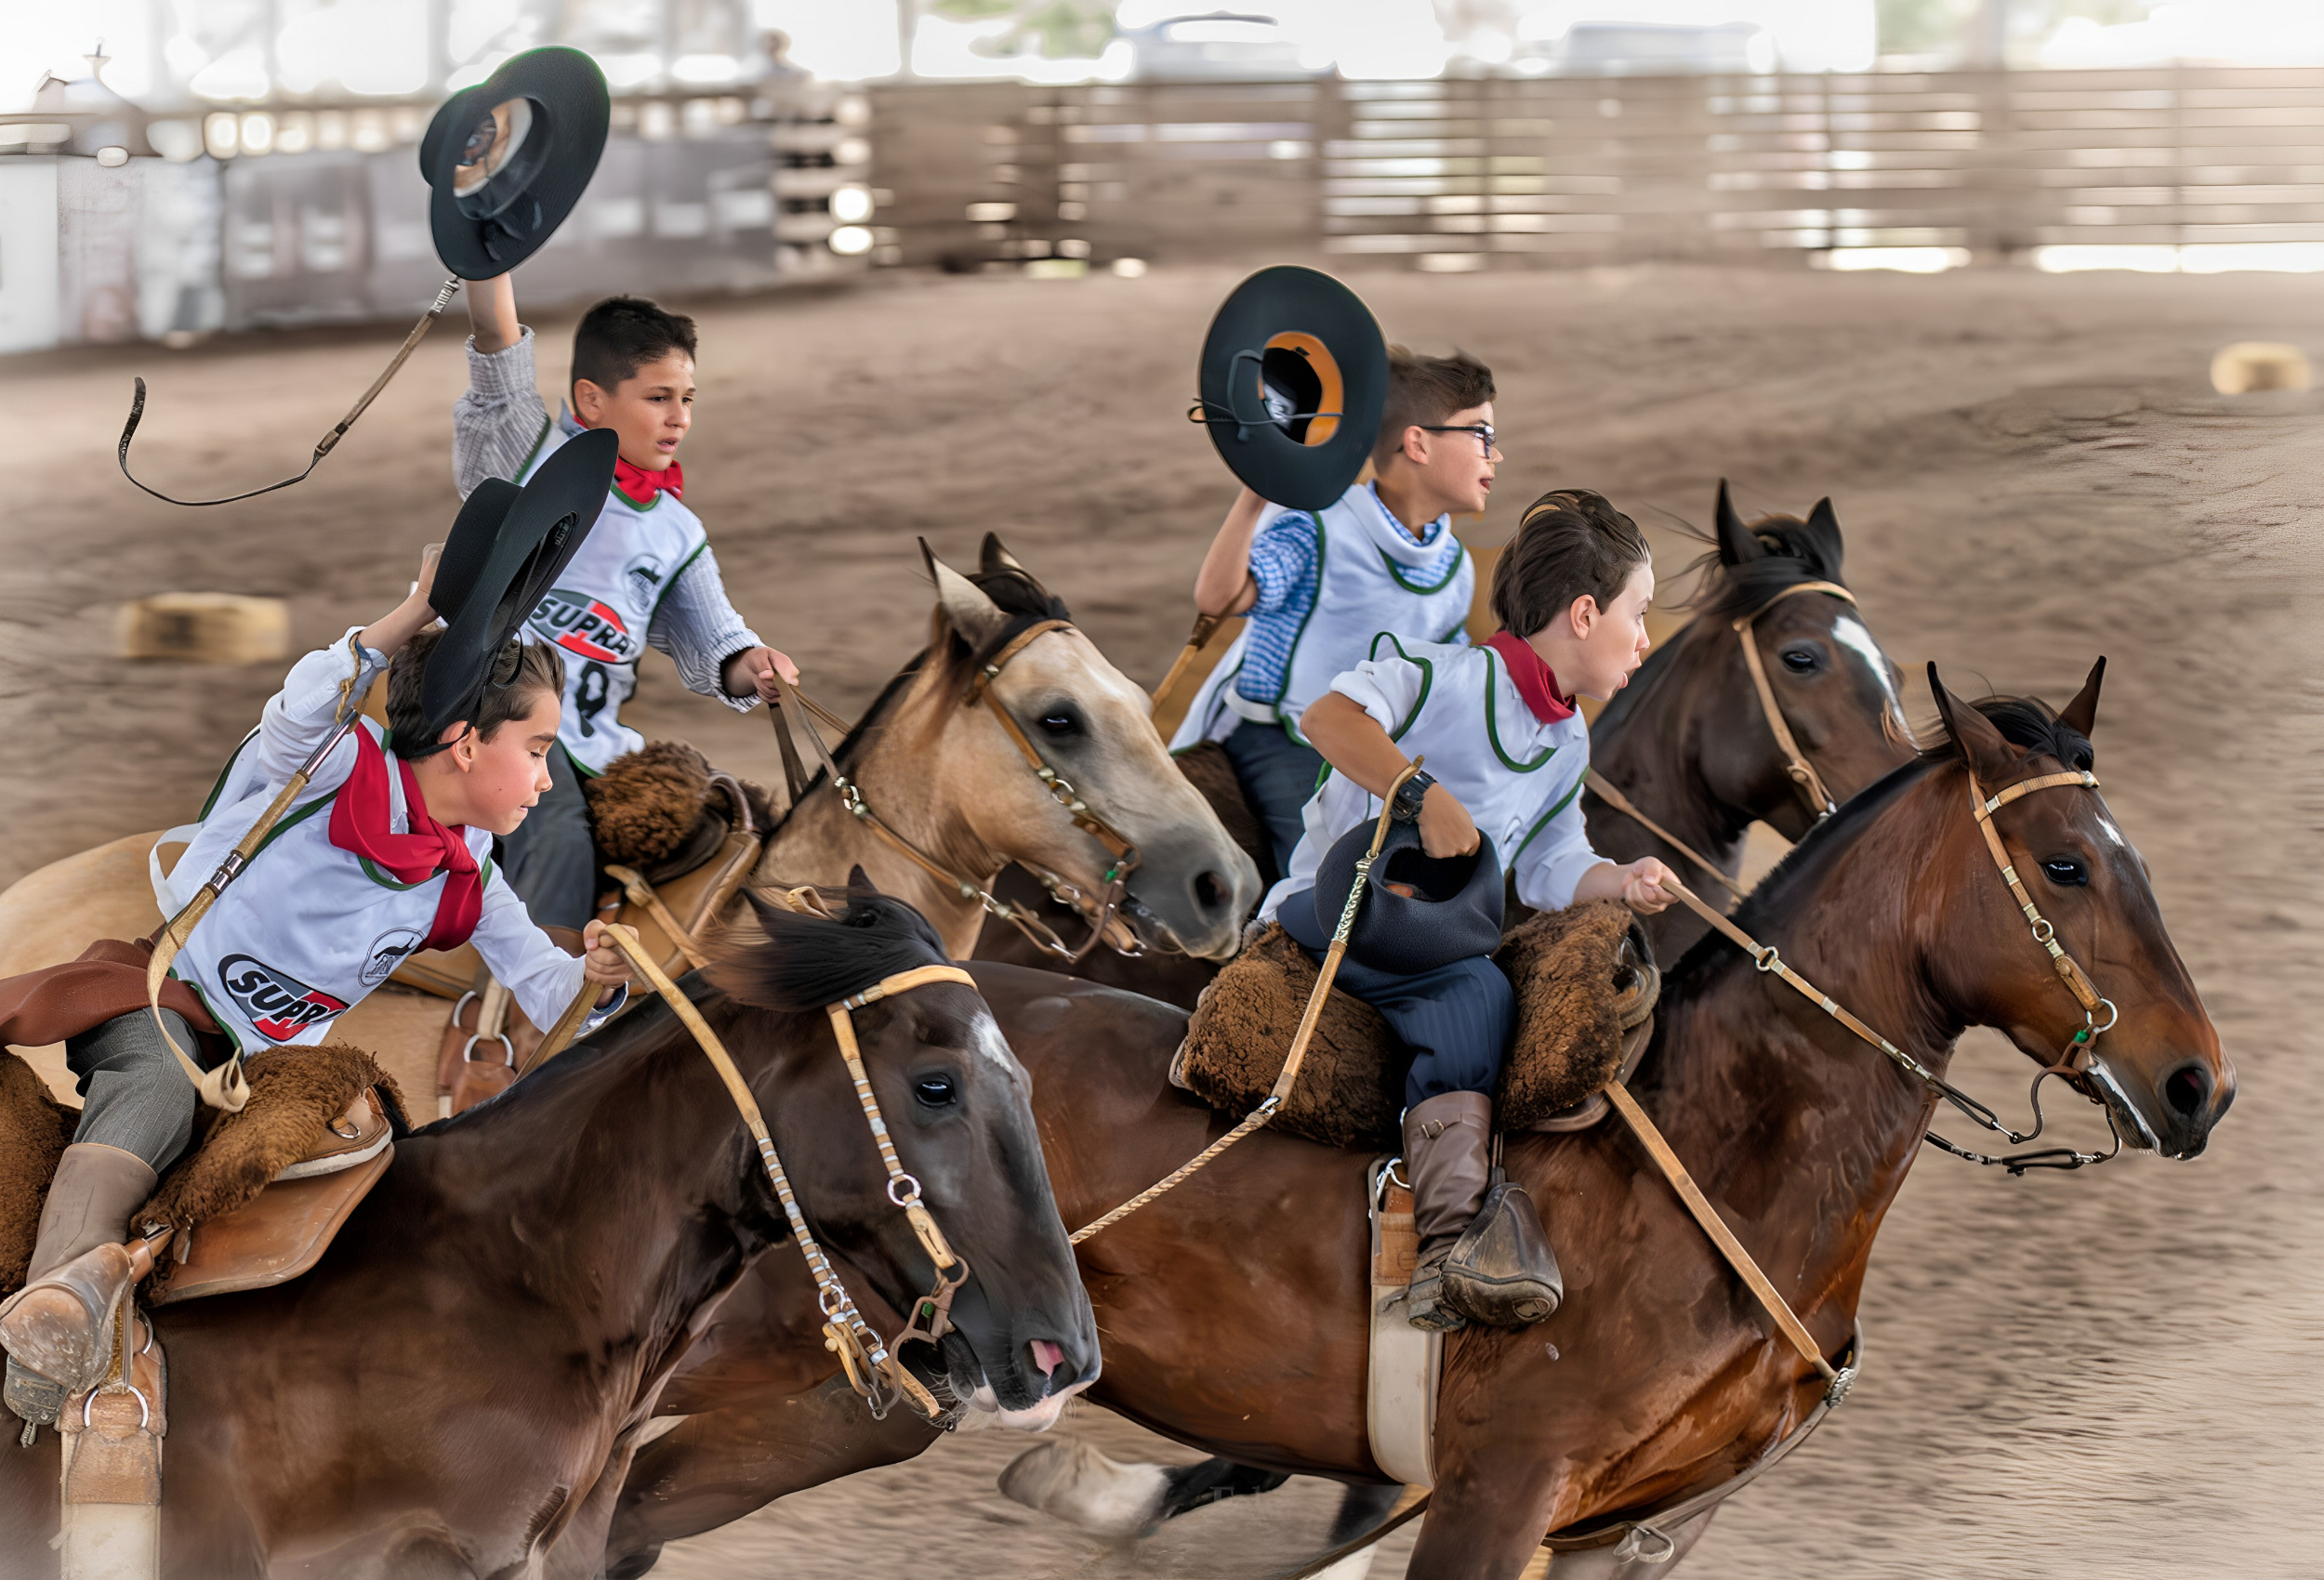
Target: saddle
[[688, 833], [255, 1202], [1585, 986]]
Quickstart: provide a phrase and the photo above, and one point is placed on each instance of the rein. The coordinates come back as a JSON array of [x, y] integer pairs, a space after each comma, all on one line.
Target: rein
[[1100, 914], [861, 1352]]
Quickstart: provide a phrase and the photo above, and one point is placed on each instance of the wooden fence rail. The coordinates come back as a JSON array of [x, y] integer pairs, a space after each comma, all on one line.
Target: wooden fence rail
[[1503, 171]]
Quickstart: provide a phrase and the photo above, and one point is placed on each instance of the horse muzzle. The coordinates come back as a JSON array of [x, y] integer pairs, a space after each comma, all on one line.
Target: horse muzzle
[[2180, 1112]]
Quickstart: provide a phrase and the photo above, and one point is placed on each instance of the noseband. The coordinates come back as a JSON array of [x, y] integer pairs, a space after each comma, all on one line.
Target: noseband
[[1100, 914]]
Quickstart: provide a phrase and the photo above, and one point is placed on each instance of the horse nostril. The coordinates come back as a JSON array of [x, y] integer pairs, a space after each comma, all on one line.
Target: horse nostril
[[1212, 892], [2187, 1090], [1047, 1357]]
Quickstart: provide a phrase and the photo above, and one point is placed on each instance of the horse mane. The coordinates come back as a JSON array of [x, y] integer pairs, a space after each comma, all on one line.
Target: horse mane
[[1797, 551], [1019, 595], [2026, 722], [800, 961]]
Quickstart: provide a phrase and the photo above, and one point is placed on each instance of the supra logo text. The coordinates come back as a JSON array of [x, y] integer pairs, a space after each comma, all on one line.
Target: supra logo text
[[281, 1007], [584, 626]]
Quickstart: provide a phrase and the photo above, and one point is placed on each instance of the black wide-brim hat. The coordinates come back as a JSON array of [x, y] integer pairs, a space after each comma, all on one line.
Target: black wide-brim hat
[[1454, 914], [1294, 378], [506, 547], [506, 160]]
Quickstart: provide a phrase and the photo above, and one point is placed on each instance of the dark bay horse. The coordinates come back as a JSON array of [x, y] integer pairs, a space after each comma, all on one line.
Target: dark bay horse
[[484, 1340], [1687, 741], [1233, 1310]]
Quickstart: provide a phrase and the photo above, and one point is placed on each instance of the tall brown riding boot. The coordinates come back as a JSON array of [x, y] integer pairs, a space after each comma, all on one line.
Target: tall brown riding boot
[[1448, 1157], [59, 1325]]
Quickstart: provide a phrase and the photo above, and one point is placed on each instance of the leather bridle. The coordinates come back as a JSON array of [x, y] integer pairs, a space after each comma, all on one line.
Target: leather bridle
[[1100, 914]]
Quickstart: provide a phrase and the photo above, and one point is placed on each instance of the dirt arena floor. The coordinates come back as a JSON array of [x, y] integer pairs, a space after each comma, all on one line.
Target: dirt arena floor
[[2113, 1374]]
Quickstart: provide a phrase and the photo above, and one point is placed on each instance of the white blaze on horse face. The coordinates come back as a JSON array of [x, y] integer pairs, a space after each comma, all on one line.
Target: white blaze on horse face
[[992, 1046], [1852, 633]]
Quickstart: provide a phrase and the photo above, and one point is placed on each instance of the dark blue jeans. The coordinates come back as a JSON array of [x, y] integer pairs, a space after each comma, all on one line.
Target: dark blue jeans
[[1278, 777], [1457, 1019]]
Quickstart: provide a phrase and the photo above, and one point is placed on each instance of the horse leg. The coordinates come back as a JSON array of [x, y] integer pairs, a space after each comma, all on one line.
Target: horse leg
[[720, 1464], [1484, 1522]]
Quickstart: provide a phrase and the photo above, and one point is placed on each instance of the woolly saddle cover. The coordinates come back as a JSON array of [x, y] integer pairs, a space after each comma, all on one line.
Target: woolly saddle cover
[[295, 1093], [1584, 976]]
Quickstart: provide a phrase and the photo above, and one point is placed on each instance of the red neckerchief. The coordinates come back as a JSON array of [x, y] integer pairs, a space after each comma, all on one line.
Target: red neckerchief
[[1536, 681], [641, 485], [358, 825]]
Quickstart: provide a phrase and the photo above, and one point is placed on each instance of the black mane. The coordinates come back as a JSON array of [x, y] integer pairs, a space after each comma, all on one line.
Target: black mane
[[805, 962], [1797, 551]]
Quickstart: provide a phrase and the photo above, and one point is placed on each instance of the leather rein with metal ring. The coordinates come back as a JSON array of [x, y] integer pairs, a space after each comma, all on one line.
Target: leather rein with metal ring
[[1099, 914]]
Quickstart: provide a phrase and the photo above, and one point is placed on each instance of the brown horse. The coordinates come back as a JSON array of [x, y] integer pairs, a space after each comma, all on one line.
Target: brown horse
[[1234, 1310], [1687, 741], [484, 1340]]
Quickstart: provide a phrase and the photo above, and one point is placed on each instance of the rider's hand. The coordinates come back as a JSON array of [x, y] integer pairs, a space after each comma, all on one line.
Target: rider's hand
[[1642, 885], [602, 962], [754, 669], [1447, 829], [423, 589]]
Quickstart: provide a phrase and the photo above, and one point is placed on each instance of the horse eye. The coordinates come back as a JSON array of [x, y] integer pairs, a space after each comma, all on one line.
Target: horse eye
[[934, 1091], [2066, 872], [1801, 660], [1060, 722]]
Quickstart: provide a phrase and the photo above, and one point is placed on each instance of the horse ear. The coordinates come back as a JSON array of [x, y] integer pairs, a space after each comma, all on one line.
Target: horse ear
[[2082, 712], [1737, 543], [972, 614], [859, 883], [1983, 748], [1823, 522], [996, 557]]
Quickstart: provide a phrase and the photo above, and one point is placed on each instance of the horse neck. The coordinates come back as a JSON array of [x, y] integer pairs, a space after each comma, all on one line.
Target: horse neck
[[613, 1190], [1790, 1122], [1653, 751], [900, 764]]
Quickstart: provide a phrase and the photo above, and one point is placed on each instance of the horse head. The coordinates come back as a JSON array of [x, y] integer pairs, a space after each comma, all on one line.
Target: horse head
[[956, 1105], [1088, 725], [2151, 1054]]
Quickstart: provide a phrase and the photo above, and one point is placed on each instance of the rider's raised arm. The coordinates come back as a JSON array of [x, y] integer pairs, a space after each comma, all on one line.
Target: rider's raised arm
[[500, 419]]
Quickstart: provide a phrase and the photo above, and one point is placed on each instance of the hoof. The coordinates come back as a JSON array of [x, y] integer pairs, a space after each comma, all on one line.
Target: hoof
[[1068, 1479]]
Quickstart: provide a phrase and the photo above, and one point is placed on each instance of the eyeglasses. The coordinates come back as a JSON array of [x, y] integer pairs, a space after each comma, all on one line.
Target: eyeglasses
[[1482, 431]]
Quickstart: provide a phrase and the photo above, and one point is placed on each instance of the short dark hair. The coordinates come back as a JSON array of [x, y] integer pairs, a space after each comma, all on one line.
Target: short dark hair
[[1427, 390], [621, 335], [1571, 542], [540, 669]]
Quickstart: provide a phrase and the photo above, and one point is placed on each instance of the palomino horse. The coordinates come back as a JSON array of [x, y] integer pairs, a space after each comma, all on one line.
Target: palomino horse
[[1690, 742], [1234, 1310], [484, 1340]]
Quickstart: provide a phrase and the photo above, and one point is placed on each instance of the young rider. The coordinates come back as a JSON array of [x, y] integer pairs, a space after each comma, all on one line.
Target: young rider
[[646, 577], [1318, 586], [1505, 754], [388, 850]]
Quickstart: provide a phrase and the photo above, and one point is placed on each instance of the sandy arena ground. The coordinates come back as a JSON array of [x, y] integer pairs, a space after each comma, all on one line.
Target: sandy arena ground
[[2114, 1373]]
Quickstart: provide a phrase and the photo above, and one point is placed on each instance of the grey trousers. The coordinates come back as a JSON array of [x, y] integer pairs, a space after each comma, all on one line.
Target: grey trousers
[[550, 861], [134, 1094]]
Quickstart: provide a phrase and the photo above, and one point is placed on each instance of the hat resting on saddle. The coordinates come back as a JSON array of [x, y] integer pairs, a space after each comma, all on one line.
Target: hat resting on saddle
[[506, 547], [1454, 912]]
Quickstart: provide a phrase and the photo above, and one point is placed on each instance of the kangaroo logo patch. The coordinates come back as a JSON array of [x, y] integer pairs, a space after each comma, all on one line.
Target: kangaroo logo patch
[[584, 626], [388, 951], [281, 1007]]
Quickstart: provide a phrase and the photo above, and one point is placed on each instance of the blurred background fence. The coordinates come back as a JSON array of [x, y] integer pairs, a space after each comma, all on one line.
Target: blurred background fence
[[1925, 170]]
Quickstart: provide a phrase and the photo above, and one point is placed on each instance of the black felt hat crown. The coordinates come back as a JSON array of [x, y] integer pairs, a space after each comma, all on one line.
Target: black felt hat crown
[[1453, 912], [1293, 380], [507, 159], [506, 547]]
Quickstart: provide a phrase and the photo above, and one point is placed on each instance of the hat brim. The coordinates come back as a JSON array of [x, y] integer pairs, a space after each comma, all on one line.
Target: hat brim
[[491, 232], [543, 528], [1311, 314]]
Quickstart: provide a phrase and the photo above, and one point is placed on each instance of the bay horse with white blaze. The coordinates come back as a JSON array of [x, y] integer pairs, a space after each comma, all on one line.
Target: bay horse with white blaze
[[1234, 1308], [483, 1344]]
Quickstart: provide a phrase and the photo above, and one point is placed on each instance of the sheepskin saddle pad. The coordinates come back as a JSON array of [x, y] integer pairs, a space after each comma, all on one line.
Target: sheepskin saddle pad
[[665, 811], [1585, 977], [266, 1187]]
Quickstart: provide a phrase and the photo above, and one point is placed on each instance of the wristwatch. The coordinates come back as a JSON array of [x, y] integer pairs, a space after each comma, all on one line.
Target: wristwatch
[[1410, 794]]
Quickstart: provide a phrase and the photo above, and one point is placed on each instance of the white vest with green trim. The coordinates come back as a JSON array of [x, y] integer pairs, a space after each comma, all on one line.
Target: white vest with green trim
[[1364, 589], [598, 612]]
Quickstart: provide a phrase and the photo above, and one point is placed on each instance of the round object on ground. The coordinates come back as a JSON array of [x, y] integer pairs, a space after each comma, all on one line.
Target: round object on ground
[[2259, 364], [198, 628]]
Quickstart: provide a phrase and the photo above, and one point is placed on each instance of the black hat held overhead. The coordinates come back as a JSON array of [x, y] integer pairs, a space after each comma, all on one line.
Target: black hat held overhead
[[506, 160], [1293, 379]]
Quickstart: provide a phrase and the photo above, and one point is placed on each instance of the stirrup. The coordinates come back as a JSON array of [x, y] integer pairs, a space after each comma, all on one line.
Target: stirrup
[[1501, 1271], [60, 1325], [1424, 1302], [33, 1399]]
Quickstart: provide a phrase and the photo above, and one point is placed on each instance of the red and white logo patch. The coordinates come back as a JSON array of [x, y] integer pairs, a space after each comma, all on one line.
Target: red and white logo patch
[[584, 626], [281, 1007]]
